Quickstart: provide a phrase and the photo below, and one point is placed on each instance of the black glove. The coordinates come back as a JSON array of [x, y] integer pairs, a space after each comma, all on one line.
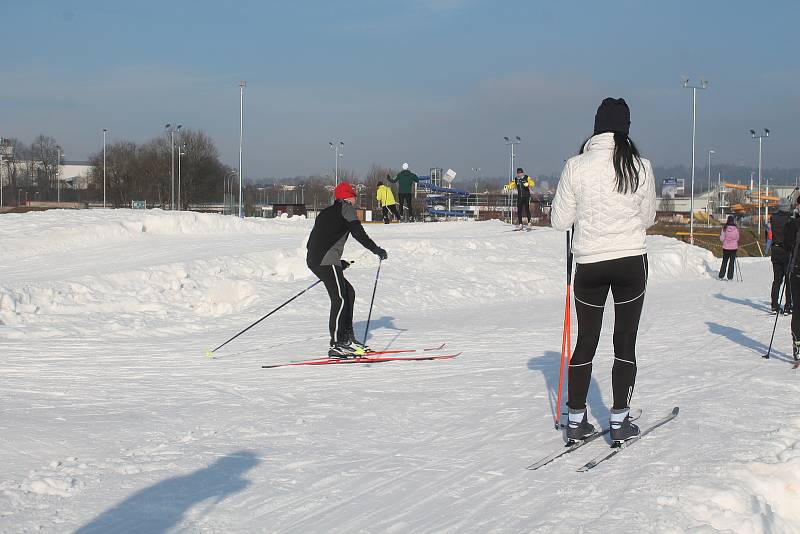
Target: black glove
[[381, 253], [345, 264]]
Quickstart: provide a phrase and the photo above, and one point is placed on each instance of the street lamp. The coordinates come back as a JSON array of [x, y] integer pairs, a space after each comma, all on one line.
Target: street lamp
[[58, 181], [708, 198], [242, 85], [181, 152], [104, 167], [760, 137], [338, 149], [515, 141], [694, 88], [172, 131]]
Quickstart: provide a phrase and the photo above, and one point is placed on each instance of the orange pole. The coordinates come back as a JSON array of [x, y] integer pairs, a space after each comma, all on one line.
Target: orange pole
[[566, 336]]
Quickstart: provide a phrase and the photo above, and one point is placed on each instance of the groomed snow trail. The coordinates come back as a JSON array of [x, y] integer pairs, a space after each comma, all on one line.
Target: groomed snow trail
[[114, 421]]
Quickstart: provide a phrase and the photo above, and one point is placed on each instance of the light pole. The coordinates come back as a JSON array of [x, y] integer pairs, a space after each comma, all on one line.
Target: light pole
[[694, 88], [515, 141], [104, 167], [242, 85], [172, 131], [339, 150], [760, 137], [708, 198], [181, 152], [58, 172]]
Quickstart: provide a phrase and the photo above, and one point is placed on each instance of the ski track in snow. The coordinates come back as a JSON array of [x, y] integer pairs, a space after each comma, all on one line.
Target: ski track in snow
[[114, 421]]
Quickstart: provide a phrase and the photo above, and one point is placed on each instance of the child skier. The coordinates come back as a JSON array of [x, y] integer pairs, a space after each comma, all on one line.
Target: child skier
[[331, 229], [730, 243], [607, 192]]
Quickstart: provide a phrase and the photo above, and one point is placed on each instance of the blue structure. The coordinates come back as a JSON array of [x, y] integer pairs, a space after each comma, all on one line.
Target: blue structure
[[432, 198]]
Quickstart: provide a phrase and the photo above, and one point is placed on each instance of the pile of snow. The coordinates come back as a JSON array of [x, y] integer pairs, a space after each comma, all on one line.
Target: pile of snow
[[112, 414]]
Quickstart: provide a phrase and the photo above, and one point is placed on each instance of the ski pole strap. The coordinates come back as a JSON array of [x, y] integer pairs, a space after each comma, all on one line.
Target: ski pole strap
[[267, 315]]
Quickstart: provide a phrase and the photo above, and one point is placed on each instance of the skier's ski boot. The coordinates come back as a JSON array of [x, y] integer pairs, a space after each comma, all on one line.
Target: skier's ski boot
[[361, 348], [342, 350], [787, 310], [796, 350], [578, 428], [621, 427]]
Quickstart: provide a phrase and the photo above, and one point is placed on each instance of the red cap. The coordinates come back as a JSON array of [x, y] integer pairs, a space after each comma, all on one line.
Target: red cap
[[344, 190]]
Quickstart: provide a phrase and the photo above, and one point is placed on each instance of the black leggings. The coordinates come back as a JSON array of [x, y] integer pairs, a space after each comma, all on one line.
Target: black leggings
[[393, 209], [728, 261], [523, 204], [342, 297], [405, 199], [627, 279], [794, 292], [778, 276]]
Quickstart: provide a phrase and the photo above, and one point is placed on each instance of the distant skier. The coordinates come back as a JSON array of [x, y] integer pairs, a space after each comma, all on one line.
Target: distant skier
[[730, 244], [522, 183], [331, 229], [780, 256], [406, 179], [607, 192], [385, 198]]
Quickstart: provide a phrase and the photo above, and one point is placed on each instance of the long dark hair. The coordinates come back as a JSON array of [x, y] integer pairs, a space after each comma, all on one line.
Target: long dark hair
[[627, 163], [729, 222]]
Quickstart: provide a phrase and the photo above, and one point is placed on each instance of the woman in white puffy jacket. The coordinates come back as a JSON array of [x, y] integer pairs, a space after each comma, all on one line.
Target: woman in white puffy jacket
[[607, 195]]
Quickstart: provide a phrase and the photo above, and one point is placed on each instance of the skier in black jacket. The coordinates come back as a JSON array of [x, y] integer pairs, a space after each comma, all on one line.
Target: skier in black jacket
[[793, 279], [325, 246], [780, 256]]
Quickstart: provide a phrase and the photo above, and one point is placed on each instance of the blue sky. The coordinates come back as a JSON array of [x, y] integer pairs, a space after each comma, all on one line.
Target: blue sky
[[431, 82]]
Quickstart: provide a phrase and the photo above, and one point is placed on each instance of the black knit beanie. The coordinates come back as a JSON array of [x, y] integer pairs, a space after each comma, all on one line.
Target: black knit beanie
[[613, 115]]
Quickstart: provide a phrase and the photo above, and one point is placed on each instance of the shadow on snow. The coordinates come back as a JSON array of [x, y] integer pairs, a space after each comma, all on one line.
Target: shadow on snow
[[162, 506]]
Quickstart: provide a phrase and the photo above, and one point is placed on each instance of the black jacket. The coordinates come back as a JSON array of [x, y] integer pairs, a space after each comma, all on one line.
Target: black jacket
[[781, 249], [331, 229]]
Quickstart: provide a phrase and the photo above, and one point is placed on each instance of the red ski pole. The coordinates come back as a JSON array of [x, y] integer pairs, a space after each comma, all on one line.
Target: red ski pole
[[566, 336]]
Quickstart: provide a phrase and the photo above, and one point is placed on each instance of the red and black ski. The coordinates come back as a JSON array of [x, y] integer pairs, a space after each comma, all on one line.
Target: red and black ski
[[366, 359], [381, 353]]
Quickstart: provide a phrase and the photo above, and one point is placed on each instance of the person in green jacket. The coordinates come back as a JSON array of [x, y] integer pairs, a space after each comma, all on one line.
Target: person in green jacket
[[386, 199], [406, 179]]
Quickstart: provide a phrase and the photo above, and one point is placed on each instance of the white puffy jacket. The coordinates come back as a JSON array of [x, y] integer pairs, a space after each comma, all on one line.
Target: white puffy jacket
[[608, 225]]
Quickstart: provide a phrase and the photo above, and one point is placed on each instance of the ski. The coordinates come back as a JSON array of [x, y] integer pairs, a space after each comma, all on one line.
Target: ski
[[366, 359], [572, 446], [624, 445], [381, 352]]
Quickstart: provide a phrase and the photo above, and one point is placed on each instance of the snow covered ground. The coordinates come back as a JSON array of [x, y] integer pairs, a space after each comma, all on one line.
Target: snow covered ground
[[114, 421]]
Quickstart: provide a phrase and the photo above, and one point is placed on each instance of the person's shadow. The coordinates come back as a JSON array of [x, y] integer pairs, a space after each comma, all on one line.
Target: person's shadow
[[549, 364], [745, 302], [376, 324], [162, 506], [740, 338]]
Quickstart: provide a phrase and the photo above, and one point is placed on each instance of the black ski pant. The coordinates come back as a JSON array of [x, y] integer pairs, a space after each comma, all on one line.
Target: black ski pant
[[794, 290], [627, 279], [779, 269], [342, 297], [523, 204], [393, 210], [728, 261], [405, 200]]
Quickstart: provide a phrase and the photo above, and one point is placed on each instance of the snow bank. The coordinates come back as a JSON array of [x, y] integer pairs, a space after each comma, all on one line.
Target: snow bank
[[35, 233]]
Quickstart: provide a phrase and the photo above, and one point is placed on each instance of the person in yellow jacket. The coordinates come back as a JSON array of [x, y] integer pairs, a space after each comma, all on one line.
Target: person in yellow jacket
[[386, 199], [522, 183]]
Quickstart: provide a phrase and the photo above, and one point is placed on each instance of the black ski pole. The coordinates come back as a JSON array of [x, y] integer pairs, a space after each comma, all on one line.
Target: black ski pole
[[210, 352], [371, 302]]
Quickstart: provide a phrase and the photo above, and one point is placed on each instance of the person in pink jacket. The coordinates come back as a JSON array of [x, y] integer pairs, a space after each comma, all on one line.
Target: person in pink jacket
[[730, 242]]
